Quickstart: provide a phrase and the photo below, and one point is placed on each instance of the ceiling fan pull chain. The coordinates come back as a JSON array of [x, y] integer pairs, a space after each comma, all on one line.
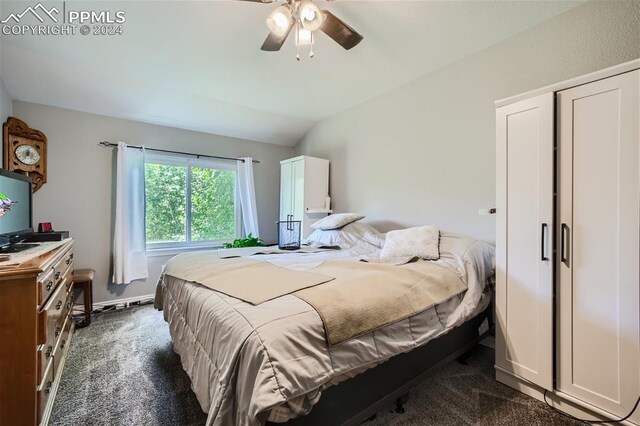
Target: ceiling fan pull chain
[[297, 30]]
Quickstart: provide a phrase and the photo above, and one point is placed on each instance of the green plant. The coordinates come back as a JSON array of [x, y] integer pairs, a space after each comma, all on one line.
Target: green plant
[[250, 241]]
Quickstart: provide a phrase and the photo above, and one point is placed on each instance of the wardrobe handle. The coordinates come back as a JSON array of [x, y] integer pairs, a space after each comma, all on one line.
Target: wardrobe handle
[[564, 244], [543, 242]]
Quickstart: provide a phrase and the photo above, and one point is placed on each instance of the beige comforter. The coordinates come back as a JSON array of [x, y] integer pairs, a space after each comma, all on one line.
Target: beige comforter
[[251, 363]]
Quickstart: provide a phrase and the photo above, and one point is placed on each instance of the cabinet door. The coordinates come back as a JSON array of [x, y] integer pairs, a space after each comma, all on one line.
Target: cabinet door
[[297, 209], [286, 190], [524, 265], [599, 215]]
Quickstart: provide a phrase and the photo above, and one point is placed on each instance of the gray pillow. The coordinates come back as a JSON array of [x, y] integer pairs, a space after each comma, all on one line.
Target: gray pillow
[[336, 221], [421, 241]]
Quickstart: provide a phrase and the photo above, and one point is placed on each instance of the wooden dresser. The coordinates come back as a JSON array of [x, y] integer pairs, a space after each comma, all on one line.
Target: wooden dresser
[[35, 331]]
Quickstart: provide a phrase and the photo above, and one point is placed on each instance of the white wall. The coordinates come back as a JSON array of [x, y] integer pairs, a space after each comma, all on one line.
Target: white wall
[[79, 197], [425, 153]]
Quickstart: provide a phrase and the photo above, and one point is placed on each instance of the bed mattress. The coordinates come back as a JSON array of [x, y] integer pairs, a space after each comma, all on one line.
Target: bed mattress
[[253, 363]]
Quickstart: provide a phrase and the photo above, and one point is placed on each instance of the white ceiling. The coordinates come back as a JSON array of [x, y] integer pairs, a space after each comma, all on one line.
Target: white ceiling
[[197, 65]]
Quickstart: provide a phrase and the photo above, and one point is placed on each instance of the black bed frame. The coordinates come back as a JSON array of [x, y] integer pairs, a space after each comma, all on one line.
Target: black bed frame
[[361, 397]]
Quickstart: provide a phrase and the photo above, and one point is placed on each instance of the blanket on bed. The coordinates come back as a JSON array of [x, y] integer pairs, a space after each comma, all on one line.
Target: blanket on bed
[[252, 251], [250, 280], [352, 298], [364, 297]]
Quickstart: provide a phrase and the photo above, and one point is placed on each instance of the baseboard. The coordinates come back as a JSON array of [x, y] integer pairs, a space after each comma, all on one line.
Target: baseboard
[[120, 303]]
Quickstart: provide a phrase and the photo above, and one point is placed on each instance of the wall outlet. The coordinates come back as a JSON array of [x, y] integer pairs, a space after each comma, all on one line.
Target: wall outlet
[[487, 212]]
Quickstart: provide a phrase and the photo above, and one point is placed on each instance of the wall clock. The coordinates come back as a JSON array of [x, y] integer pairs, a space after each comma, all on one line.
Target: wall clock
[[25, 151]]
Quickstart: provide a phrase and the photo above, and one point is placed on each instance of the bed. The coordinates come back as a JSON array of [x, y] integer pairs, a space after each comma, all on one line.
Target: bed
[[271, 362]]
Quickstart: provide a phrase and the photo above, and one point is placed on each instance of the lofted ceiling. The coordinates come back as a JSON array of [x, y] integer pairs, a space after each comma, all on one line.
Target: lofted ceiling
[[198, 65]]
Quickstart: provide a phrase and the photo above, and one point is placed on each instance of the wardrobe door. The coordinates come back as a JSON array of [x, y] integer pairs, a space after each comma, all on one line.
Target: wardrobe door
[[286, 190], [599, 215], [298, 189], [524, 266]]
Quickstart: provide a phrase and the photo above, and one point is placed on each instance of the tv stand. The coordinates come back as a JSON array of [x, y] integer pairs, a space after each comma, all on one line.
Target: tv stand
[[17, 248]]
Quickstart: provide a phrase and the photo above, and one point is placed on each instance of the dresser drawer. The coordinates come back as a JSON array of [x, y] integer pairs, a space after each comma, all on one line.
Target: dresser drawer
[[64, 266], [52, 315], [49, 279], [43, 391], [62, 346], [46, 286], [56, 326], [44, 357]]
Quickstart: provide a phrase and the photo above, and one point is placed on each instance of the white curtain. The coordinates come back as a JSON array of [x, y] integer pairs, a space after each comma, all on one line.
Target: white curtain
[[129, 259], [247, 192]]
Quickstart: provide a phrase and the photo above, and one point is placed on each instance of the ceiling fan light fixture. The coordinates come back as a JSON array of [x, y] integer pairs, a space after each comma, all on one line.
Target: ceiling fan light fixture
[[279, 20], [304, 37], [310, 16]]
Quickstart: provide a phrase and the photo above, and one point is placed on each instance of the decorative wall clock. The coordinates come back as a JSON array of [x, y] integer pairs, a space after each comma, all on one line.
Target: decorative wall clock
[[25, 151]]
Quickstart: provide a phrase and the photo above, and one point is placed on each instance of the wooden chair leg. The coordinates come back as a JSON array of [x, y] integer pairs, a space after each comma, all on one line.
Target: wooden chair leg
[[87, 302]]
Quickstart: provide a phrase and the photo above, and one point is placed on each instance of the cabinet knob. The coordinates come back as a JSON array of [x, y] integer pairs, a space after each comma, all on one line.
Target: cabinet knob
[[48, 353], [49, 285], [48, 388], [58, 273], [59, 305], [58, 330]]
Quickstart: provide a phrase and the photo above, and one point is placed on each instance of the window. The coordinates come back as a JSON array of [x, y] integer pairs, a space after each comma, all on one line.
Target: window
[[189, 202]]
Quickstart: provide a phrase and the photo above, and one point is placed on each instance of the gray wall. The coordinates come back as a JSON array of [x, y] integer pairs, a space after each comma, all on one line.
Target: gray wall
[[425, 153], [78, 195], [5, 106]]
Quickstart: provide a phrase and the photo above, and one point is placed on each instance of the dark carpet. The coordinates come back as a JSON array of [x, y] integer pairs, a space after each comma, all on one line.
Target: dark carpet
[[122, 370]]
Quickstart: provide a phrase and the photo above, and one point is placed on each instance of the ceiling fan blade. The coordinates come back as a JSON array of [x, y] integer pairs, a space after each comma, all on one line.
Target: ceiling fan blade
[[273, 43], [339, 31]]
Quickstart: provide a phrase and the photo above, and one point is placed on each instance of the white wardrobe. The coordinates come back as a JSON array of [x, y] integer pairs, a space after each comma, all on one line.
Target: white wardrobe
[[304, 190], [568, 243]]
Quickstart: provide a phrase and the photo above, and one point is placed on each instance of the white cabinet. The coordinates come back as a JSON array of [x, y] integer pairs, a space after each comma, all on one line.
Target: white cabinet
[[304, 187], [599, 228], [568, 290], [524, 269]]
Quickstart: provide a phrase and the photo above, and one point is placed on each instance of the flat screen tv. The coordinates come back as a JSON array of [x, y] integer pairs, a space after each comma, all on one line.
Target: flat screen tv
[[15, 208]]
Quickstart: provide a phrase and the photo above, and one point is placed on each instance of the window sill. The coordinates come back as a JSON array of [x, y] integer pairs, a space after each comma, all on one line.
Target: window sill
[[172, 251]]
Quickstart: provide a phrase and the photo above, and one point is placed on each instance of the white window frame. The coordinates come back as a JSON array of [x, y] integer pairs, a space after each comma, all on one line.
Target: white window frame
[[173, 247]]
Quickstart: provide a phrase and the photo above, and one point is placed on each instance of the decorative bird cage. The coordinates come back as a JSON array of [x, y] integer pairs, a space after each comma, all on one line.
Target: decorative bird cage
[[289, 234]]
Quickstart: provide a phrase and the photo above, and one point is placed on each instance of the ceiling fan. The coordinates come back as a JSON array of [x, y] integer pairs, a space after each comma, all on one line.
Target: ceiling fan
[[304, 17]]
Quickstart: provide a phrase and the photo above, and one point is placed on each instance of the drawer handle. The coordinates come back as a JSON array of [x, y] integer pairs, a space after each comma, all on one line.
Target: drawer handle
[[48, 388], [62, 343], [49, 285], [48, 353], [58, 330], [58, 273], [68, 261], [71, 256], [59, 305]]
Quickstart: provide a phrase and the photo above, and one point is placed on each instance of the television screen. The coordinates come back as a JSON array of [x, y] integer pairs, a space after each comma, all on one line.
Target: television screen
[[15, 203]]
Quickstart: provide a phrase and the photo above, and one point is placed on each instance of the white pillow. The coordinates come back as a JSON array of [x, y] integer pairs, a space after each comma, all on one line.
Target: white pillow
[[422, 242], [336, 221], [346, 237]]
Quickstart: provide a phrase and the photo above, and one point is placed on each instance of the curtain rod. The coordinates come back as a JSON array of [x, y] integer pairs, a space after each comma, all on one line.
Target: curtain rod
[[109, 144]]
